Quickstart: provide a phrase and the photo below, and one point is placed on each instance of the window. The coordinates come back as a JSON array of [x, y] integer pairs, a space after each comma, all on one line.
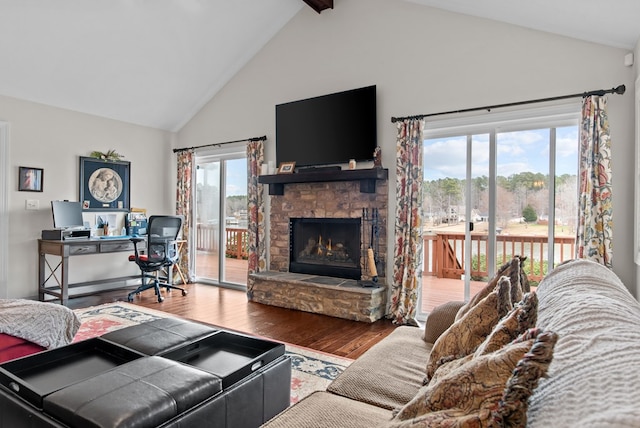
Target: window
[[497, 185]]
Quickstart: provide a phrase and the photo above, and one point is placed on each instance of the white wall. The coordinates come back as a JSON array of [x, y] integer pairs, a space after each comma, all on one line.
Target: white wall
[[423, 60], [53, 139], [636, 177]]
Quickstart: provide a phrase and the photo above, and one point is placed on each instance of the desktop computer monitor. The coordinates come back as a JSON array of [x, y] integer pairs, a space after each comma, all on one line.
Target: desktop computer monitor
[[67, 214]]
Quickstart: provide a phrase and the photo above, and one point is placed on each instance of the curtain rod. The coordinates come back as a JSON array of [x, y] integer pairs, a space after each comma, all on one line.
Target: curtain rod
[[263, 138], [600, 92]]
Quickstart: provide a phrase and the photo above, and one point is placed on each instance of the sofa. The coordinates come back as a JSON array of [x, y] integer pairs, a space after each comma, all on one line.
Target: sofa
[[27, 327], [589, 375]]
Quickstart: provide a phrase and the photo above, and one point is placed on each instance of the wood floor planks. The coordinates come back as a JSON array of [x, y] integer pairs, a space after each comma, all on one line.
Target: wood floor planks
[[230, 309]]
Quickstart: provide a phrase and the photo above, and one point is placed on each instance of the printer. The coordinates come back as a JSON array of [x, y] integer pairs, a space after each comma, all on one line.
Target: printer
[[65, 234]]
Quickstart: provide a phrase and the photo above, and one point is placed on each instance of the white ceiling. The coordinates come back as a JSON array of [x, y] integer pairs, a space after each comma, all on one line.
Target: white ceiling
[[149, 62], [157, 62], [610, 22]]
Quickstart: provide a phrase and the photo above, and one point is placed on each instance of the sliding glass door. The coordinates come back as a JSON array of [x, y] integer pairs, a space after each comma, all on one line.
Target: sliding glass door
[[221, 219], [455, 207], [493, 191]]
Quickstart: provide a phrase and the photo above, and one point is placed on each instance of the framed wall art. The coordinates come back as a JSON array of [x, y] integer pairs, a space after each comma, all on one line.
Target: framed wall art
[[30, 179], [104, 184]]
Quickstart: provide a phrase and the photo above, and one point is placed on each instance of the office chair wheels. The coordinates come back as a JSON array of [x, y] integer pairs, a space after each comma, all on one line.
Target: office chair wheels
[[184, 292], [160, 299]]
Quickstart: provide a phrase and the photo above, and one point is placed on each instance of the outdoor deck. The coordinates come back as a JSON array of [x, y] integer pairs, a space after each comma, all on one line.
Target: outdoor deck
[[442, 268], [435, 291]]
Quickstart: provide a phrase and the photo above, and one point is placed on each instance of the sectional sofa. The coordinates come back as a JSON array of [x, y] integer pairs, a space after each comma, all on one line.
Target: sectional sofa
[[585, 365]]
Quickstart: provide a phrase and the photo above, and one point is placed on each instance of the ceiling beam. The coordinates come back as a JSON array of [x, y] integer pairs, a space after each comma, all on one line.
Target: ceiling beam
[[320, 5]]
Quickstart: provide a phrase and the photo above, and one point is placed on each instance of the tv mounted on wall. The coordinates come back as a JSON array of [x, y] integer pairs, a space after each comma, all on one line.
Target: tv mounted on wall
[[329, 129]]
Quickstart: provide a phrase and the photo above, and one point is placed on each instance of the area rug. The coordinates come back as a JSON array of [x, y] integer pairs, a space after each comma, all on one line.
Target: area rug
[[311, 371]]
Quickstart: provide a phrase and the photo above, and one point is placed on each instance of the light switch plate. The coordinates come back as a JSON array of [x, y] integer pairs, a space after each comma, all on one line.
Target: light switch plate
[[32, 204]]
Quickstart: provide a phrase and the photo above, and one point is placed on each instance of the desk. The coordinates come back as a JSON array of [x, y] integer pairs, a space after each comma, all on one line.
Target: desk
[[71, 248]]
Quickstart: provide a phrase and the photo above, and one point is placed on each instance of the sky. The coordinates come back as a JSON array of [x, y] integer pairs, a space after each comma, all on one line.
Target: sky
[[236, 177], [521, 151]]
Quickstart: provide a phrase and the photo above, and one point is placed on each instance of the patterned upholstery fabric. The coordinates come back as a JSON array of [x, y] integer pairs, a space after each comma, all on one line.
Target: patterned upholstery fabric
[[448, 367], [512, 409], [465, 335], [519, 283], [522, 317], [474, 393]]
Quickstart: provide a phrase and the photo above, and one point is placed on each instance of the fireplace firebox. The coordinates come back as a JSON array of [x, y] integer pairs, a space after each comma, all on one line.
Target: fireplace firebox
[[325, 246]]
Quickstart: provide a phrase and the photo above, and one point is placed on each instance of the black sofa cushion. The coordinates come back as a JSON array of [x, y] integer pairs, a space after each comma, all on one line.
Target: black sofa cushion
[[142, 393]]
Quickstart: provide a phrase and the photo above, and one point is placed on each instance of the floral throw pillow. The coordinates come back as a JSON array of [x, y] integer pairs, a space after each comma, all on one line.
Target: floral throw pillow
[[522, 317], [519, 283], [474, 393], [465, 335], [512, 409]]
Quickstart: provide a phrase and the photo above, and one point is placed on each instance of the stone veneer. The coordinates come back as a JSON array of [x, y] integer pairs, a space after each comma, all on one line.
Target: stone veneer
[[336, 297], [340, 199]]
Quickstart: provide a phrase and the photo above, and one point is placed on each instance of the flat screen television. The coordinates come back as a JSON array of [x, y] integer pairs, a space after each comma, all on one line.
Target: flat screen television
[[67, 215], [329, 129]]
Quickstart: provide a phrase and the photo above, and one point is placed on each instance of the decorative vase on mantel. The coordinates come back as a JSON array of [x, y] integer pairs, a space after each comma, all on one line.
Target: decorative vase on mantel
[[377, 158]]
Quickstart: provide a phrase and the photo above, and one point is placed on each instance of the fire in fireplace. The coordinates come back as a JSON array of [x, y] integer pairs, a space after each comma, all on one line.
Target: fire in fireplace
[[325, 246]]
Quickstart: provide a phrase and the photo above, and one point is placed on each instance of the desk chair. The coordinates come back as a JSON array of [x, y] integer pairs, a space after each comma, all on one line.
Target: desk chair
[[161, 255]]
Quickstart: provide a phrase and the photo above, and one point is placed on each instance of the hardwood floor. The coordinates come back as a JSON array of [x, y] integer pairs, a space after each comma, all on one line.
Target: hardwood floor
[[230, 309]]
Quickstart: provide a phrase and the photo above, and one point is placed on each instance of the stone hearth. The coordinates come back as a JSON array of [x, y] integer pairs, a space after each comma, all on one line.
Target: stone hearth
[[336, 297]]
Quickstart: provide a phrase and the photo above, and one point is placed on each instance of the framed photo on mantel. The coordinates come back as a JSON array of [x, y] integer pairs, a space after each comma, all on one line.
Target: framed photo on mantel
[[286, 167], [104, 185]]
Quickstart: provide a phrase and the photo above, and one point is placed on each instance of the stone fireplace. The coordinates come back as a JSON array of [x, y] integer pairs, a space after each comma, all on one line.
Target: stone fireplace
[[310, 218], [325, 246]]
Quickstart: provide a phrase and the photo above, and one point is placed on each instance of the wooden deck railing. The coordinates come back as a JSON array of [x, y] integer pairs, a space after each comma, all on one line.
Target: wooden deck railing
[[237, 243], [444, 253], [237, 240], [207, 237]]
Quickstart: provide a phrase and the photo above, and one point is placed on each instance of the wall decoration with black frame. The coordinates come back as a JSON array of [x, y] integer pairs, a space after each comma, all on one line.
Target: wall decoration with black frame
[[104, 184], [30, 179]]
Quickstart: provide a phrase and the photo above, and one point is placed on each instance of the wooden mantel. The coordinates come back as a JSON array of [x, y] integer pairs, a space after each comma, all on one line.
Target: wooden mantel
[[366, 177]]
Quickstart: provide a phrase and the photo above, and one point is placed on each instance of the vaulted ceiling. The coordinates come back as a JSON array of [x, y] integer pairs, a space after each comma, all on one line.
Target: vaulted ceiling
[[156, 63], [611, 22]]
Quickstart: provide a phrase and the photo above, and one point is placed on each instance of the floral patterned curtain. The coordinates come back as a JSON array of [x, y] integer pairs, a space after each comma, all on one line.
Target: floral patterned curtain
[[183, 205], [255, 201], [595, 223], [408, 226]]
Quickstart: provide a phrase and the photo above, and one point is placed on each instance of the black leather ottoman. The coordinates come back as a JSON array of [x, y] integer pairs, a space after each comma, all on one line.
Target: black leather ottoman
[[202, 377], [155, 337], [255, 373], [144, 393]]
